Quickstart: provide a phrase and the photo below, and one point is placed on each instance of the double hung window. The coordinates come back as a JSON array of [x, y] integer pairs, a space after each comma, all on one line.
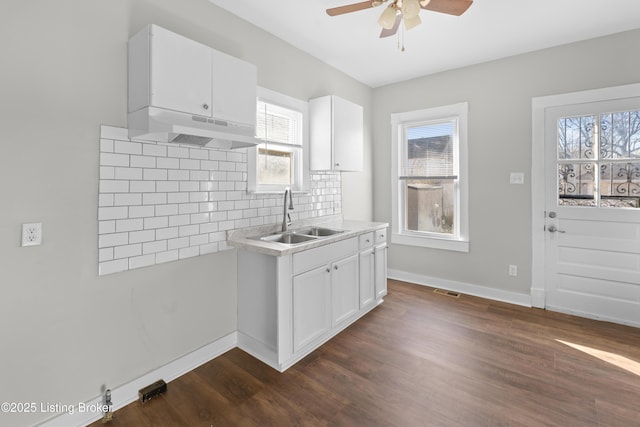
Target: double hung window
[[278, 161], [430, 178]]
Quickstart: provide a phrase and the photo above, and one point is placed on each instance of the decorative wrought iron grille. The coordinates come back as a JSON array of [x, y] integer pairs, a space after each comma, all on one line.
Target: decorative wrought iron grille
[[608, 143]]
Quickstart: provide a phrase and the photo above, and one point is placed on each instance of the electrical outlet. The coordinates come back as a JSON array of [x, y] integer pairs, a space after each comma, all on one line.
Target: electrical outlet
[[513, 270], [516, 178], [32, 234]]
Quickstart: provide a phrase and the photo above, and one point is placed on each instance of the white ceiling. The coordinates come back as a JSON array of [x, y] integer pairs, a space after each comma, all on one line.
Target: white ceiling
[[490, 29]]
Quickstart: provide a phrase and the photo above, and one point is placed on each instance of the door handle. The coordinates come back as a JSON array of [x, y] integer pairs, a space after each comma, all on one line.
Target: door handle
[[553, 229]]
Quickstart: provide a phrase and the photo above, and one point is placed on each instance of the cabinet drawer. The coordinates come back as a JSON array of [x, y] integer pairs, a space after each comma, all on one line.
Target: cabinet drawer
[[381, 236], [306, 260], [366, 240]]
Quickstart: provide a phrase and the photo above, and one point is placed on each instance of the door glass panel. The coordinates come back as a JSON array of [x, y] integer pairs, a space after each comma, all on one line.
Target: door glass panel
[[575, 137], [620, 184], [576, 184], [610, 144]]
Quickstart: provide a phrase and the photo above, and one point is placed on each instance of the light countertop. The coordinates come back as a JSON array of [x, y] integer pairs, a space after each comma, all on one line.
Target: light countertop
[[245, 238]]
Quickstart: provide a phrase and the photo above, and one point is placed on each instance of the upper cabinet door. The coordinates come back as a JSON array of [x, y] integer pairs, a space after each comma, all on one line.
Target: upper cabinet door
[[336, 129], [180, 75], [347, 135], [234, 89]]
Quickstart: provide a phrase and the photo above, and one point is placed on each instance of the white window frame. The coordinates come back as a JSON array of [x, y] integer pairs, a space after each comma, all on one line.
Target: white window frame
[[300, 167], [400, 235]]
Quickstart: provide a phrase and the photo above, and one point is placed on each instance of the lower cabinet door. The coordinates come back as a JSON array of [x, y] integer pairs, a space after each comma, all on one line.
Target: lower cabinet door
[[367, 274], [345, 289], [381, 270], [311, 306]]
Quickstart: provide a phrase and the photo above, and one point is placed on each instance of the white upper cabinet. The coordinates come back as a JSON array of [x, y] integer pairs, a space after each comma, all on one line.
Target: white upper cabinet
[[169, 71], [172, 72], [336, 129], [234, 89]]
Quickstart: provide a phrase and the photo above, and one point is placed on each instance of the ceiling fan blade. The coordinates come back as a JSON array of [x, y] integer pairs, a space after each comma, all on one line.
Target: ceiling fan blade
[[450, 7], [388, 33], [350, 8]]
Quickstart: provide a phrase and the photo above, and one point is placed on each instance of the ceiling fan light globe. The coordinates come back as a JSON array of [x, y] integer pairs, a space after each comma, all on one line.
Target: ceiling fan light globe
[[387, 18], [424, 3], [410, 22], [410, 8]]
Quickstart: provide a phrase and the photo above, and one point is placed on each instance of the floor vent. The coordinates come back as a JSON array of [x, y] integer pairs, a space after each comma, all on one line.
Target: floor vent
[[447, 293]]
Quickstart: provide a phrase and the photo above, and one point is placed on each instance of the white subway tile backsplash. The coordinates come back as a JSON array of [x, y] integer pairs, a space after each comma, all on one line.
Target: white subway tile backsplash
[[113, 239], [141, 211], [167, 256], [111, 159], [155, 175], [127, 251], [126, 147], [156, 222], [107, 172], [201, 154], [110, 267], [154, 150], [105, 199], [162, 202], [180, 152], [142, 236], [142, 261], [154, 247], [129, 225], [178, 243], [168, 163], [127, 199], [162, 210], [107, 213], [154, 199], [142, 186], [167, 233]]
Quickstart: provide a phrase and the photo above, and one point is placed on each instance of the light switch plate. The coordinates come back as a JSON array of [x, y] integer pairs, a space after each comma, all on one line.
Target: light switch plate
[[516, 178]]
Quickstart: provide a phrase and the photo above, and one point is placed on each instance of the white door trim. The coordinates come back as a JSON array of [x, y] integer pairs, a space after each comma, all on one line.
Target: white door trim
[[538, 107]]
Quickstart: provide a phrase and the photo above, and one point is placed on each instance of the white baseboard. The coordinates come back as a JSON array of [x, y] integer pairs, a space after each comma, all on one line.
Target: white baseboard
[[464, 288], [127, 393]]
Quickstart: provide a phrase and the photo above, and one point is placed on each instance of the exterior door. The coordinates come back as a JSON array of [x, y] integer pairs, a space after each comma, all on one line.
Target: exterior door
[[592, 209]]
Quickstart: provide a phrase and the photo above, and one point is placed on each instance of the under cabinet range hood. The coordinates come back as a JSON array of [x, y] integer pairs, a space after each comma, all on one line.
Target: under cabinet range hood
[[158, 124], [184, 92]]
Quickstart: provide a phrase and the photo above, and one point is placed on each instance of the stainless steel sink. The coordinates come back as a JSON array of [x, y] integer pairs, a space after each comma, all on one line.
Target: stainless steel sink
[[287, 238], [318, 231], [300, 235]]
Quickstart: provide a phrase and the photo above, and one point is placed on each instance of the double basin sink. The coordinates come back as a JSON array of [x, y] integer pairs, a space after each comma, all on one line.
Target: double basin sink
[[301, 235]]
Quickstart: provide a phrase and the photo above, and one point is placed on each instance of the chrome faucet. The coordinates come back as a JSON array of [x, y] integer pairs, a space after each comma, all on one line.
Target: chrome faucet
[[286, 218]]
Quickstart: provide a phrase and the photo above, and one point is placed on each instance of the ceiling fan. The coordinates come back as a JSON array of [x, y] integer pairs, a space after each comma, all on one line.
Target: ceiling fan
[[404, 11]]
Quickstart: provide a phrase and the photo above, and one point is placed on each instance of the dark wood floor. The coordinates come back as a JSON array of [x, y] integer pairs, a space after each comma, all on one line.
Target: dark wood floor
[[423, 359]]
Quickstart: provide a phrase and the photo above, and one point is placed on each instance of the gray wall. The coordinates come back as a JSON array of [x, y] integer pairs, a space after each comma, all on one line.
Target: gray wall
[[64, 331], [499, 95]]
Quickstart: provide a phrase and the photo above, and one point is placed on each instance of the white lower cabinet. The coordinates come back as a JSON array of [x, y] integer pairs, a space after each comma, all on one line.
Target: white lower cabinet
[[311, 306], [380, 260], [289, 305], [345, 289], [367, 271]]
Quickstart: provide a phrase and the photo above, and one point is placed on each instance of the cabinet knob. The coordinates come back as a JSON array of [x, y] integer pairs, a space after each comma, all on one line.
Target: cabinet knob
[[328, 270], [335, 267], [368, 241], [337, 164], [205, 106]]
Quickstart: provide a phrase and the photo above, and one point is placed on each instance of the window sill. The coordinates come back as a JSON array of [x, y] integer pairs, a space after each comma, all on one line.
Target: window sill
[[271, 192], [430, 242]]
